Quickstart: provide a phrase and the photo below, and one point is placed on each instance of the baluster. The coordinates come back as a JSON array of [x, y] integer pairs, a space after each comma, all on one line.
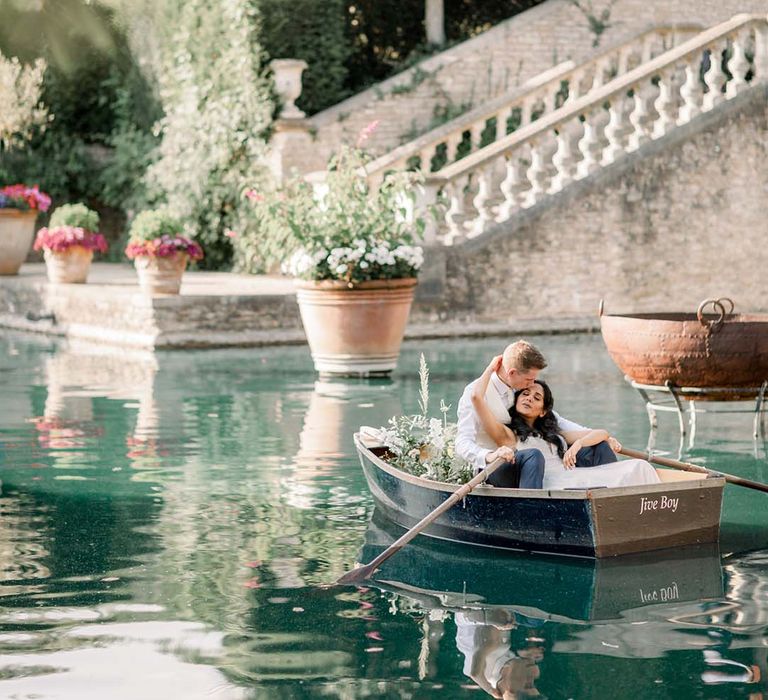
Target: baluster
[[642, 116], [550, 99], [451, 146], [512, 188], [480, 202], [738, 67], [454, 217], [761, 52], [475, 135], [624, 54], [501, 122], [665, 104], [564, 159], [714, 79], [647, 49], [590, 143], [426, 155], [525, 112], [424, 206], [599, 77], [691, 93], [617, 131], [574, 86], [539, 172]]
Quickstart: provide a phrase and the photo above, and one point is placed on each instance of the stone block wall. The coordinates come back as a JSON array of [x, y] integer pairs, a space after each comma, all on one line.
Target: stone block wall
[[683, 219], [496, 61]]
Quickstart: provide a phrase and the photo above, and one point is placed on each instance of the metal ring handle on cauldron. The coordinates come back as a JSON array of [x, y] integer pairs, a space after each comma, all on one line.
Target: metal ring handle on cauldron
[[727, 300], [712, 326]]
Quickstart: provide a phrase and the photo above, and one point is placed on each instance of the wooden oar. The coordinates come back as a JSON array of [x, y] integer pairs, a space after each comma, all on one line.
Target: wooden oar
[[363, 572], [688, 467]]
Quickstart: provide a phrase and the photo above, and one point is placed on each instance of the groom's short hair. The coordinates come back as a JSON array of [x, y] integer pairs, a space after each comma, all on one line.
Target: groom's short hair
[[523, 356]]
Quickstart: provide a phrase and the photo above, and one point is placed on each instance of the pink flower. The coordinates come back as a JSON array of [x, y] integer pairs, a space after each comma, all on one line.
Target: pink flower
[[229, 233], [254, 196], [366, 132], [60, 238]]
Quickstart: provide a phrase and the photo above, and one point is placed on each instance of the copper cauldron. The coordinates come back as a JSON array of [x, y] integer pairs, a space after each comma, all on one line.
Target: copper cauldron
[[710, 348]]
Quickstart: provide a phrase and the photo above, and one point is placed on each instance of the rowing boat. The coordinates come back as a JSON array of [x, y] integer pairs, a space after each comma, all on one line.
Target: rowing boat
[[684, 509]]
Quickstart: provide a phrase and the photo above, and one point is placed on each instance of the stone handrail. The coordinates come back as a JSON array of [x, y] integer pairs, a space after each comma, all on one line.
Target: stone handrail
[[537, 96], [486, 187]]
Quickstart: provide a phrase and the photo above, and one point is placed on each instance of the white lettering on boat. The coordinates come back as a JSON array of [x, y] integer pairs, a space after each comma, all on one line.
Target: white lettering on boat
[[663, 595], [663, 503]]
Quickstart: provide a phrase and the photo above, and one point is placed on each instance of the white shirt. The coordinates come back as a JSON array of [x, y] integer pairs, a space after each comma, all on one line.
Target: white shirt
[[472, 442]]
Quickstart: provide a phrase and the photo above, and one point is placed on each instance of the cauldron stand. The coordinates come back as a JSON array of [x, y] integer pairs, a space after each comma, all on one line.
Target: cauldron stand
[[670, 398]]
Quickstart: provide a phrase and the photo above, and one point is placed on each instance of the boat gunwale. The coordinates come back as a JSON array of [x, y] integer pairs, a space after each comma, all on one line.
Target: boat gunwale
[[585, 494]]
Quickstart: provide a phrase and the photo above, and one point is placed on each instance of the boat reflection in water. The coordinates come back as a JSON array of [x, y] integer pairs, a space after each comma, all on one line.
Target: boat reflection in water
[[518, 618]]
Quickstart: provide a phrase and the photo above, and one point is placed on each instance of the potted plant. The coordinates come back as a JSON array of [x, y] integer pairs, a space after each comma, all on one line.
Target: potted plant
[[351, 250], [159, 252], [19, 205], [68, 243]]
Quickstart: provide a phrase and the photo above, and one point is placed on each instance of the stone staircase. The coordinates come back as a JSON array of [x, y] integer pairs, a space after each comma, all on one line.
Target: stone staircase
[[484, 167]]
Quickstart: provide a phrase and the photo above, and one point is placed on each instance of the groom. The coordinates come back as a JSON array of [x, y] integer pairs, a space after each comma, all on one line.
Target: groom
[[520, 366]]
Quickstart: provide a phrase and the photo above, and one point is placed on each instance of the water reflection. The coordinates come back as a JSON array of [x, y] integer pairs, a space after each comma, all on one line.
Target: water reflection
[[186, 511], [512, 612]]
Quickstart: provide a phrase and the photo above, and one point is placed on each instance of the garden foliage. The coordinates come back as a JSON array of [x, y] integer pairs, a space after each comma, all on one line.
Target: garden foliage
[[216, 95]]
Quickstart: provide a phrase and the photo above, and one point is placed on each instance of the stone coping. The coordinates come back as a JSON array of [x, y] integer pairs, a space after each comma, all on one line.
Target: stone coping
[[214, 309]]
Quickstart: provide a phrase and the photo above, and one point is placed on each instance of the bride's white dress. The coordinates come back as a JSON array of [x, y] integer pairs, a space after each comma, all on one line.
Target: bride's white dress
[[629, 472]]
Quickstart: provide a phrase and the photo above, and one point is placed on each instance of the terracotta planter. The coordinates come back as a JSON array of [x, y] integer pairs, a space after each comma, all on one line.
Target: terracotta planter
[[355, 331], [68, 266], [161, 275], [17, 228]]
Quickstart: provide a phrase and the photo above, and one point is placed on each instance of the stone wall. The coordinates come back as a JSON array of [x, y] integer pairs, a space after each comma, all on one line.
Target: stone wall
[[492, 63], [682, 219]]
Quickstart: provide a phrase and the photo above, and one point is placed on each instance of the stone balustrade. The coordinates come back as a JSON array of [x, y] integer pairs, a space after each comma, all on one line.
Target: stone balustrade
[[593, 128], [539, 96]]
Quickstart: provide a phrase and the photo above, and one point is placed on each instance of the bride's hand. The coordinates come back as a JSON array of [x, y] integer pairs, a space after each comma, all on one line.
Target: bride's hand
[[505, 453], [495, 364], [569, 458]]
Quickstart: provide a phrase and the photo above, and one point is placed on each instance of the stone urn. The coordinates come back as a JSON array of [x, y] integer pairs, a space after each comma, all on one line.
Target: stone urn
[[68, 266], [287, 73], [355, 330], [161, 275], [17, 229]]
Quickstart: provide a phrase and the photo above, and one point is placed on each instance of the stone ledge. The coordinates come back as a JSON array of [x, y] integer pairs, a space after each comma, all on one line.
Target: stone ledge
[[111, 311]]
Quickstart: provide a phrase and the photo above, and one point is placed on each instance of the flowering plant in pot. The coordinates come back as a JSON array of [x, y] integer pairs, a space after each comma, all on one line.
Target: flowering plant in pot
[[352, 249], [19, 206], [68, 243], [159, 252]]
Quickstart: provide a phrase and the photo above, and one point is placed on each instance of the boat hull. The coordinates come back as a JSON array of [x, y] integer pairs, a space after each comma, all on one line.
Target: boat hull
[[586, 522]]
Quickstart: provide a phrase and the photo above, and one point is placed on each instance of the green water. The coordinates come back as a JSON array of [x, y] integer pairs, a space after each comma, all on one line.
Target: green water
[[169, 526]]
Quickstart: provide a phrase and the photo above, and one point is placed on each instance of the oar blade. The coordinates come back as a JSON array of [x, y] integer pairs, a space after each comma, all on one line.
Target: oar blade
[[356, 575]]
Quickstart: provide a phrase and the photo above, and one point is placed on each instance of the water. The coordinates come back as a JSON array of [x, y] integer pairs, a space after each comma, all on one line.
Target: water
[[169, 526]]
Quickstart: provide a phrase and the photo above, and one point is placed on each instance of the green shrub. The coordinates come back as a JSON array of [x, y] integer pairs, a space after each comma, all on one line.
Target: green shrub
[[154, 223], [75, 215], [218, 105]]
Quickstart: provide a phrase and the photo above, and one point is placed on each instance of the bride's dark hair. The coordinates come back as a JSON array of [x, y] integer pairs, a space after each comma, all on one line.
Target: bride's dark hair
[[544, 426]]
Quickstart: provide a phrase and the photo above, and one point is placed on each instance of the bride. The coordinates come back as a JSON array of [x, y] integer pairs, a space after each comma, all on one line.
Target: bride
[[533, 425]]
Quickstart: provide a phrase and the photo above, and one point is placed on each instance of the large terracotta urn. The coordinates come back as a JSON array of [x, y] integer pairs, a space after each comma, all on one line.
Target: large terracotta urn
[[68, 266], [17, 228], [161, 275], [355, 330]]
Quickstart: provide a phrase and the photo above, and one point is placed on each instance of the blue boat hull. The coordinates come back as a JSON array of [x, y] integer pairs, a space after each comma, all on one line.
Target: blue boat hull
[[588, 522]]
